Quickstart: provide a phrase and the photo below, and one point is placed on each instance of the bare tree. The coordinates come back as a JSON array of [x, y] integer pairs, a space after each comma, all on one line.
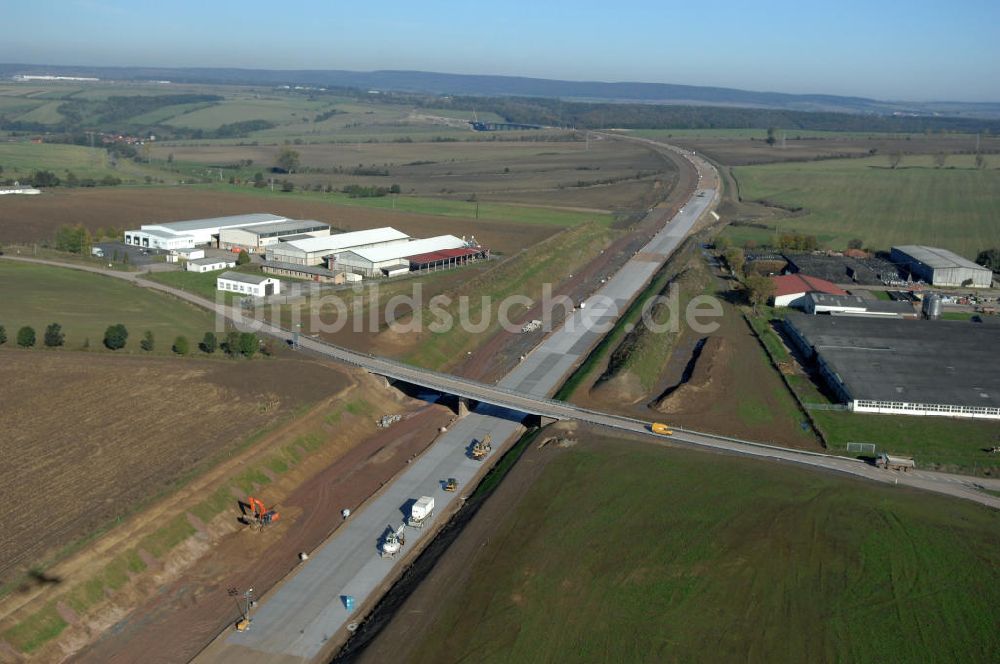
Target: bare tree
[[939, 159], [980, 160]]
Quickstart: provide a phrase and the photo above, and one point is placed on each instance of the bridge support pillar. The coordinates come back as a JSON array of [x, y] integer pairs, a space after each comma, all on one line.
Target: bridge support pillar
[[540, 421], [462, 409]]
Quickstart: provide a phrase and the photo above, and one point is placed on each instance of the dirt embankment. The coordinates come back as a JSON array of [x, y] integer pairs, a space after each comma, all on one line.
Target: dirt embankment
[[103, 434], [711, 356], [621, 381], [309, 468]]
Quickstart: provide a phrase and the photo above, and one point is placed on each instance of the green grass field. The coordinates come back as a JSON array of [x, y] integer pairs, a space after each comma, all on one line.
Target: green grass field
[[934, 442], [86, 304], [283, 111], [954, 208], [23, 158], [620, 552], [199, 283]]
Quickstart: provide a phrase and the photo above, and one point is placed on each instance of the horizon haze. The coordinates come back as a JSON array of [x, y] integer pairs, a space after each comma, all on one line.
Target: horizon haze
[[886, 51]]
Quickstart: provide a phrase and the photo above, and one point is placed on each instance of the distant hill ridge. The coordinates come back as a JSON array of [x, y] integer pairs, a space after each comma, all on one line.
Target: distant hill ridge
[[500, 86]]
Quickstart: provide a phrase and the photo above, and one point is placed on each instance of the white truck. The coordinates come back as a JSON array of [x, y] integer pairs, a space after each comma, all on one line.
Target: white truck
[[97, 251], [420, 511], [889, 462]]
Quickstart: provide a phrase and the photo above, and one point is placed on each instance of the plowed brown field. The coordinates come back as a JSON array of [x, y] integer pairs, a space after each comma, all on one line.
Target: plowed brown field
[[88, 438], [36, 218]]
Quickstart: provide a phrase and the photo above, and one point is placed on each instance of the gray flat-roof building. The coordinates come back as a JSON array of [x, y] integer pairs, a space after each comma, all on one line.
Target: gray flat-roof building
[[905, 367], [940, 267], [855, 305]]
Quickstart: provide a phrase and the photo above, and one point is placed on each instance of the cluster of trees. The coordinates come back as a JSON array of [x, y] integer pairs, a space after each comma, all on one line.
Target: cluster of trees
[[757, 288], [43, 178], [288, 160], [361, 191], [26, 338], [326, 115], [989, 258], [234, 344], [74, 239], [797, 242]]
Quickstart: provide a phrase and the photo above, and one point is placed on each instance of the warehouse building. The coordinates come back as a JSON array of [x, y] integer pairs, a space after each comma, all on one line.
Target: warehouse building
[[209, 264], [255, 239], [855, 305], [193, 232], [256, 285], [790, 290], [315, 250], [940, 267], [392, 260], [904, 367]]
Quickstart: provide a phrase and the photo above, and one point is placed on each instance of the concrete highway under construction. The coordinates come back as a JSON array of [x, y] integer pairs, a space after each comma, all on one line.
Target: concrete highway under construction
[[305, 617]]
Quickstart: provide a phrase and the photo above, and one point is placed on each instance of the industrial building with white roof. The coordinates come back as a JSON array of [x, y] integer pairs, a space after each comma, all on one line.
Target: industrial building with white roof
[[391, 260], [193, 232], [255, 239], [904, 367], [314, 251], [940, 267]]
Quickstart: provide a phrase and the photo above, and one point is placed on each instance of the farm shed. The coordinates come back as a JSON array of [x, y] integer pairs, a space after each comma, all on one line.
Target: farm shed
[[179, 234], [209, 264], [904, 367], [257, 285], [446, 258], [310, 272], [940, 267], [381, 261], [313, 251], [254, 239], [790, 289]]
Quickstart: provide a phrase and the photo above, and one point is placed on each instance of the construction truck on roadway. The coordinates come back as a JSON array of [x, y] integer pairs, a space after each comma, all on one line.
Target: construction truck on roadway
[[481, 448], [420, 511], [392, 542], [890, 462]]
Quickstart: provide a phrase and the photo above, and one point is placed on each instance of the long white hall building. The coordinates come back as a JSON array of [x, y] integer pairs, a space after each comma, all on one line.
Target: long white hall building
[[194, 232]]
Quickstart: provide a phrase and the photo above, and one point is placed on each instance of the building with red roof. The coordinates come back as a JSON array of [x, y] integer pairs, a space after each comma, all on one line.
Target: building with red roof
[[790, 289]]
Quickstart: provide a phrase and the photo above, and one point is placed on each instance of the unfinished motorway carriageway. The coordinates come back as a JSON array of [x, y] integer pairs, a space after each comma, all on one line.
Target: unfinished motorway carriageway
[[305, 617]]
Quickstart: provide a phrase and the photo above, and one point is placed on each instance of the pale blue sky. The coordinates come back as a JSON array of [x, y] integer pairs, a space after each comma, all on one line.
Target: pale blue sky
[[887, 49]]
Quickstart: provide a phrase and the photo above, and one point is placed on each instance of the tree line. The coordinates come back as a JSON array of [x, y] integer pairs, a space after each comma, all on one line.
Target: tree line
[[233, 344]]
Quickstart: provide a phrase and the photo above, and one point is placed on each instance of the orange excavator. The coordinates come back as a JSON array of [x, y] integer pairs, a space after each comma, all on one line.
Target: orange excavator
[[261, 515]]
